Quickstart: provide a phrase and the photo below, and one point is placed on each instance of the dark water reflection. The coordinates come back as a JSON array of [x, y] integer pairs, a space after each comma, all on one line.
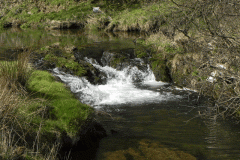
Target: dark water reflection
[[17, 38], [173, 124], [137, 131]]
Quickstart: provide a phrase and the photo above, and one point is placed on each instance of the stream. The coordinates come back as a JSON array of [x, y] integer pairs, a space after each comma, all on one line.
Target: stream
[[135, 109], [144, 118]]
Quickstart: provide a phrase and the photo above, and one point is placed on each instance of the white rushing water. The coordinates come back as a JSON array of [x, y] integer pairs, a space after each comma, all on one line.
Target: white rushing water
[[120, 87]]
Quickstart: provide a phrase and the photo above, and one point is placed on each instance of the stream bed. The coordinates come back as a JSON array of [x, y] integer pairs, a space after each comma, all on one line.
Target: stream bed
[[153, 115], [144, 119]]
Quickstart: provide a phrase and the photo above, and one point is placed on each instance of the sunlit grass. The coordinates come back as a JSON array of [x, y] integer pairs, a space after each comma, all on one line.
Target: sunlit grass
[[69, 113], [142, 18]]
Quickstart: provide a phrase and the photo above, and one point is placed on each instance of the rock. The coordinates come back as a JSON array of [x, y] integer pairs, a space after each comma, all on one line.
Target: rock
[[94, 52], [93, 75], [107, 58], [162, 72], [97, 10], [118, 59]]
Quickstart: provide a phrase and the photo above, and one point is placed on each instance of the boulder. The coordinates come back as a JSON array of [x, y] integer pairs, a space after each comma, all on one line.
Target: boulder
[[94, 52], [93, 75], [97, 10], [119, 59]]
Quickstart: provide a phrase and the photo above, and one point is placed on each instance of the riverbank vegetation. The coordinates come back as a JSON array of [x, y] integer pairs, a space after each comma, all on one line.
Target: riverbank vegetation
[[35, 111], [14, 76], [195, 45], [201, 50]]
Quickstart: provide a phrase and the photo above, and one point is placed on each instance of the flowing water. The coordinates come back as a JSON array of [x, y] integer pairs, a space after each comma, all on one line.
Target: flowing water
[[137, 111], [145, 119]]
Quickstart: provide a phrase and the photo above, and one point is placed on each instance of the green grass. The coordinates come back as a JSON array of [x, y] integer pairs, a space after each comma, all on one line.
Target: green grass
[[141, 18], [67, 113], [138, 17], [30, 15]]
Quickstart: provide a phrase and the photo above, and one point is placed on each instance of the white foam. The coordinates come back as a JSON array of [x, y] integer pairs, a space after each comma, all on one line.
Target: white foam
[[185, 89], [119, 89]]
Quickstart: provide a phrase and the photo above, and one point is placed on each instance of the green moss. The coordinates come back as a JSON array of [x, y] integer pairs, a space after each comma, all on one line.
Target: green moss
[[160, 68], [66, 62], [179, 78], [67, 114]]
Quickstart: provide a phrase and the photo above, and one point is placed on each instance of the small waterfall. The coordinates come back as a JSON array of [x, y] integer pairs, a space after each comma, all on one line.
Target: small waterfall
[[121, 86]]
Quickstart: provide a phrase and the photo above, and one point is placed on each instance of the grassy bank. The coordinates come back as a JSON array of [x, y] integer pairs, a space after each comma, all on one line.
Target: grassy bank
[[35, 111]]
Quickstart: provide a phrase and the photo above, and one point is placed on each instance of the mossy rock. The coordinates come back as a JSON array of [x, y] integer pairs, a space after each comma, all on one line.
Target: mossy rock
[[118, 59], [161, 70], [66, 112], [65, 62]]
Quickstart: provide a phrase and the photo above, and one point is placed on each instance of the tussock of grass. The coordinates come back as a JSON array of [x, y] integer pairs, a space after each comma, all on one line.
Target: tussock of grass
[[146, 19], [15, 74], [69, 113], [13, 128]]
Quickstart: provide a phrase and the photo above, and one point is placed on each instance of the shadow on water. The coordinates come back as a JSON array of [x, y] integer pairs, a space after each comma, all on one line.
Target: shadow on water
[[167, 127], [171, 129], [174, 125]]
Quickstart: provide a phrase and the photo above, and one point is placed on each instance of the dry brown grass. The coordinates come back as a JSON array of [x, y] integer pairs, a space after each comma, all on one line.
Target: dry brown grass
[[13, 130], [15, 74], [222, 63]]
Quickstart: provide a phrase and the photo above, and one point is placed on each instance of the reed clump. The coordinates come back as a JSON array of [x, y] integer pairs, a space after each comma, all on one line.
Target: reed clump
[[15, 74], [14, 143]]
